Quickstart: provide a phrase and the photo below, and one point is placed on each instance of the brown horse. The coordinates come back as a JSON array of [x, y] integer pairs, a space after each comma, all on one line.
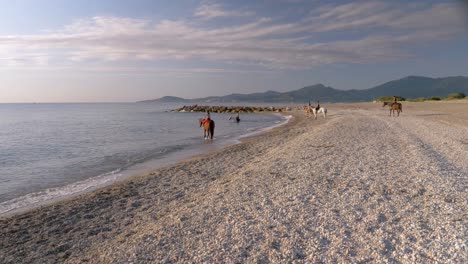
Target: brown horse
[[307, 110], [208, 128], [394, 107]]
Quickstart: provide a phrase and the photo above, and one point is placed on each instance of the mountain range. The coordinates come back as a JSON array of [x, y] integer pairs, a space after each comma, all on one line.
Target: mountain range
[[408, 87]]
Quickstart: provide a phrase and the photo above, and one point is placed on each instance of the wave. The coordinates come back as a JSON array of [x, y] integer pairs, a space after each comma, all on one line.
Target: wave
[[48, 195], [265, 129], [51, 194]]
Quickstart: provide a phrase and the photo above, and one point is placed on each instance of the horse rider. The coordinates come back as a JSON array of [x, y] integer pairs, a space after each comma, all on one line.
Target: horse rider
[[207, 117], [395, 100], [310, 105], [318, 106]]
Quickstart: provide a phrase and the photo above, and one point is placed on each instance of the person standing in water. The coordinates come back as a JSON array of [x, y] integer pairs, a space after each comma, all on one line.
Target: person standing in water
[[237, 118]]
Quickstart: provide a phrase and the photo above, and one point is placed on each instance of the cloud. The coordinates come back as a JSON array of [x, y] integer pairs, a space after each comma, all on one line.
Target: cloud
[[213, 10], [385, 32], [387, 15]]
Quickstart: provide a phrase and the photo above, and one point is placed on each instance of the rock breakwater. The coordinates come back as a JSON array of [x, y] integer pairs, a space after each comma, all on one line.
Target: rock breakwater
[[232, 109]]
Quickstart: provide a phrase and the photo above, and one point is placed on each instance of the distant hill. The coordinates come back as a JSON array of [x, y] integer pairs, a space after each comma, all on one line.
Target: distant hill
[[417, 86], [168, 99], [408, 87]]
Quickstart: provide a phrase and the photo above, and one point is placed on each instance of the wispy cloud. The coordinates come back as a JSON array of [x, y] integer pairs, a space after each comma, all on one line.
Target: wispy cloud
[[385, 33], [214, 10], [377, 14]]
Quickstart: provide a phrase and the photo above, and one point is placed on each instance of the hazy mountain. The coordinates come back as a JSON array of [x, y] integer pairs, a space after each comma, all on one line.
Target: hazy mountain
[[408, 87], [417, 86], [169, 99]]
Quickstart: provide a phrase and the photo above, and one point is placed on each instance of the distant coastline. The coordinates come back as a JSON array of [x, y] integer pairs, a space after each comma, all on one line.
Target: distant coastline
[[408, 87]]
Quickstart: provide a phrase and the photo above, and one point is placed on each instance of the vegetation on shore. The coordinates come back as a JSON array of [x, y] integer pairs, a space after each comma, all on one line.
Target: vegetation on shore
[[452, 96]]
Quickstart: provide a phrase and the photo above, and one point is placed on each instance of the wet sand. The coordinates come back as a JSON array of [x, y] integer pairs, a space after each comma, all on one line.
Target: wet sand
[[358, 186]]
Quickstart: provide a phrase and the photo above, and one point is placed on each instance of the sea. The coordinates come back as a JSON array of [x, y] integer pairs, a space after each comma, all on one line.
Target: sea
[[53, 150]]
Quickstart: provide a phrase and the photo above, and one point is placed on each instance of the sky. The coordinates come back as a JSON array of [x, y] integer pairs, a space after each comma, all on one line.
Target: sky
[[124, 51]]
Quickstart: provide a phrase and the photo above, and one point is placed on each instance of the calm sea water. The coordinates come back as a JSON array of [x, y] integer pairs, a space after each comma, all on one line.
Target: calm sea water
[[51, 150]]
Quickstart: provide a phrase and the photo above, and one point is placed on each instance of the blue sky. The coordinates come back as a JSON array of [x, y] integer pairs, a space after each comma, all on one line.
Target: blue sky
[[104, 51]]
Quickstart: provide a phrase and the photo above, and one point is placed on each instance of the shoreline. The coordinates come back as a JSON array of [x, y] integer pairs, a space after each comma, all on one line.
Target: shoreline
[[53, 195], [358, 186]]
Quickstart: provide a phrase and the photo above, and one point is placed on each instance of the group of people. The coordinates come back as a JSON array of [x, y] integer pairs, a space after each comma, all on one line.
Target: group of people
[[237, 118], [207, 117]]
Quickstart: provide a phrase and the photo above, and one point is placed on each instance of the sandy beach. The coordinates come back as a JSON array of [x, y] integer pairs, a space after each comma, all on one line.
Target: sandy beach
[[356, 187]]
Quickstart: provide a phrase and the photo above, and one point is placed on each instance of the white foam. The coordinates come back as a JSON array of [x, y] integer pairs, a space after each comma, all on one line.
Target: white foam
[[51, 194]]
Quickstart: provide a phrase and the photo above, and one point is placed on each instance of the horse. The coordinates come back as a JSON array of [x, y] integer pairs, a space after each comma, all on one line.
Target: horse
[[394, 107], [322, 110], [307, 110], [208, 128]]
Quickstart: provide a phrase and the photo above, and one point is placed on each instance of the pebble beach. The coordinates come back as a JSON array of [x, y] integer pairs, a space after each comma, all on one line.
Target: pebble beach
[[355, 187]]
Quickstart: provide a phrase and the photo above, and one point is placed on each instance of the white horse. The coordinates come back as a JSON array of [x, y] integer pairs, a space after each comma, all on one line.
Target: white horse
[[322, 110]]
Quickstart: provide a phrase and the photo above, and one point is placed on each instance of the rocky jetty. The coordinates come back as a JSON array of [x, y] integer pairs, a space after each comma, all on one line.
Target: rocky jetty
[[232, 109]]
